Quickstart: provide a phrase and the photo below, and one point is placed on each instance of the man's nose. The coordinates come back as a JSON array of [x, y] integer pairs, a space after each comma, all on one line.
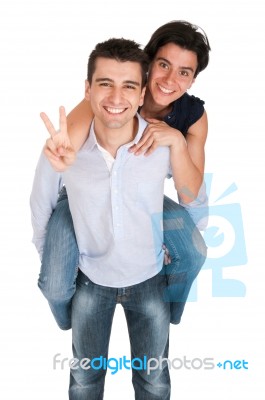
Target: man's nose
[[116, 95]]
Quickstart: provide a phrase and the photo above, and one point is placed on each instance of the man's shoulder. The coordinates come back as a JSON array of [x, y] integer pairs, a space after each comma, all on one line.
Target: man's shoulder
[[142, 123]]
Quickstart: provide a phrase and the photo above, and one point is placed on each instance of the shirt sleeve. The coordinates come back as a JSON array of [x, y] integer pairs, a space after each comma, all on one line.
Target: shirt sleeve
[[47, 184], [198, 208]]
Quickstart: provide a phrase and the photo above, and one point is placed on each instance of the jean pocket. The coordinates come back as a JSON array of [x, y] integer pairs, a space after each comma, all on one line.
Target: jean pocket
[[82, 280]]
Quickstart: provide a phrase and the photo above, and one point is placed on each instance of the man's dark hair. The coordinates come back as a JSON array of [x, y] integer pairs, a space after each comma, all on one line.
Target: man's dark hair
[[184, 34], [120, 50]]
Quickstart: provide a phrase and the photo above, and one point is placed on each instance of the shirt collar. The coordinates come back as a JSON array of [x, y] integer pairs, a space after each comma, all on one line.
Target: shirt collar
[[92, 140]]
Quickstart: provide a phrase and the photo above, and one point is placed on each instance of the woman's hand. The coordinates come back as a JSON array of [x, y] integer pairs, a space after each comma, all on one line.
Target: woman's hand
[[156, 134]]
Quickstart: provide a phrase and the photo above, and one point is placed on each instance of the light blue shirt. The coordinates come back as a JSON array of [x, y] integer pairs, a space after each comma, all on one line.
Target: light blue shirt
[[117, 213]]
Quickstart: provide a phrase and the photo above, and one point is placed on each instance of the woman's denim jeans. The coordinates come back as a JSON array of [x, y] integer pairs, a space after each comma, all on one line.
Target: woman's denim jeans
[[187, 251], [59, 265], [60, 260], [148, 320]]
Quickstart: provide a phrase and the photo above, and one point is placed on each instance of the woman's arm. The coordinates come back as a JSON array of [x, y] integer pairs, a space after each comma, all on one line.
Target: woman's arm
[[78, 124], [187, 155], [188, 161]]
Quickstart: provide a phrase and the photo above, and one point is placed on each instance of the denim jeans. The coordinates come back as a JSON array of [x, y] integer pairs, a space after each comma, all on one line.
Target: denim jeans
[[148, 319], [187, 251], [59, 265], [60, 259]]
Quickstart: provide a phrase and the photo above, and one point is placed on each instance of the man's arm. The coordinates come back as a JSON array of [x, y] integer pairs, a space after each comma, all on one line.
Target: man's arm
[[46, 186]]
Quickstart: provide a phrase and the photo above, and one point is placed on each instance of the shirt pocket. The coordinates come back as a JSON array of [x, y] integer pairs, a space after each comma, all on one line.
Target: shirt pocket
[[150, 195]]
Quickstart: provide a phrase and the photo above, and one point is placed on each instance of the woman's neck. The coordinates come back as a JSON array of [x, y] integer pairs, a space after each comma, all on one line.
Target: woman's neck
[[151, 109]]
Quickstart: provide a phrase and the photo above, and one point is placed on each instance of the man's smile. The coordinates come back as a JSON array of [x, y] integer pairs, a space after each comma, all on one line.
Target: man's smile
[[112, 110]]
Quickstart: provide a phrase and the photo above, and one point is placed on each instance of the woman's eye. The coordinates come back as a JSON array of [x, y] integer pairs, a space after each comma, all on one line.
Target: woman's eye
[[163, 65], [184, 73]]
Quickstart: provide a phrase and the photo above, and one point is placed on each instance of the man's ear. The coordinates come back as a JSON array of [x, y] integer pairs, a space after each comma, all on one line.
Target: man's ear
[[87, 90], [141, 101]]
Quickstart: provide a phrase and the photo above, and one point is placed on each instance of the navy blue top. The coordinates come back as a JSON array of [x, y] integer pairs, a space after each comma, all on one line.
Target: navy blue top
[[186, 111]]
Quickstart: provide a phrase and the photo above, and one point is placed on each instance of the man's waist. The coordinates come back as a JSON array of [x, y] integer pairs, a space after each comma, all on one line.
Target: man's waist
[[121, 272]]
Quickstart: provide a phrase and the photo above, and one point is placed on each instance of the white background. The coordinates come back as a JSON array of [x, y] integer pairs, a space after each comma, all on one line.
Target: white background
[[44, 47]]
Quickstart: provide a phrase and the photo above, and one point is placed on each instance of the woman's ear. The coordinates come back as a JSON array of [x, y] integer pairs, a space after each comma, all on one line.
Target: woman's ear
[[192, 82]]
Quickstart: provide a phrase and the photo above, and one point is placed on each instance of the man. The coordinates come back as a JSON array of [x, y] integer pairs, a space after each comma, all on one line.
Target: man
[[116, 201]]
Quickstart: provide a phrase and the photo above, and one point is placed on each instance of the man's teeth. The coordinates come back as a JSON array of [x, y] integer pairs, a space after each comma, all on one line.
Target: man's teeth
[[164, 90], [115, 110]]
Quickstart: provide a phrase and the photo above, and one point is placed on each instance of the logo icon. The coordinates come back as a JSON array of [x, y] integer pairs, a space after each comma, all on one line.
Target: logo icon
[[225, 240]]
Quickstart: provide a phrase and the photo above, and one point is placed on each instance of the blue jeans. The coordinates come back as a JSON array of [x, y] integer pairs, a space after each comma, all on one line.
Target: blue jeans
[[148, 319], [187, 251], [59, 265], [60, 259]]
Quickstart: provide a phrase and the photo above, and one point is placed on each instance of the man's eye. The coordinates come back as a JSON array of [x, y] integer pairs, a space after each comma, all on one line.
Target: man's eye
[[104, 84], [130, 87]]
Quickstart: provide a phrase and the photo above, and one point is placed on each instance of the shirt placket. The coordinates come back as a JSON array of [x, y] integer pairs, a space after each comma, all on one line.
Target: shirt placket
[[116, 197]]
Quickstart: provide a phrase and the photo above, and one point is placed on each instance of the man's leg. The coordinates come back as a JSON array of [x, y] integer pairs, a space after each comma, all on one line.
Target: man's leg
[[60, 263], [187, 250], [93, 308], [148, 319]]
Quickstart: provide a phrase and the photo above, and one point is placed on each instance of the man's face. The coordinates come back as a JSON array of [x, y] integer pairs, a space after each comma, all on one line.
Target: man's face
[[115, 92], [171, 73]]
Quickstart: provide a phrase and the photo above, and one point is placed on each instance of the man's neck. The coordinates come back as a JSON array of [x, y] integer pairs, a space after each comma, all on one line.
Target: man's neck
[[111, 139]]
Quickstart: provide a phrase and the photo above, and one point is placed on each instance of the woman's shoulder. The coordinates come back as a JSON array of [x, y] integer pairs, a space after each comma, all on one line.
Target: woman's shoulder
[[190, 101], [186, 110]]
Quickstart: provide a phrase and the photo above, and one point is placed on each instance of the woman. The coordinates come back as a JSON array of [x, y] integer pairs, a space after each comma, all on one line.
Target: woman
[[178, 51]]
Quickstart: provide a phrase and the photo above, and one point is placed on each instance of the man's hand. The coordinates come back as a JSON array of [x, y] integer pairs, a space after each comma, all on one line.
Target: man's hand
[[58, 148], [156, 134]]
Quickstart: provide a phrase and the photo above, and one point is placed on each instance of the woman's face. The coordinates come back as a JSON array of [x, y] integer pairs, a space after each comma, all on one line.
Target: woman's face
[[171, 73]]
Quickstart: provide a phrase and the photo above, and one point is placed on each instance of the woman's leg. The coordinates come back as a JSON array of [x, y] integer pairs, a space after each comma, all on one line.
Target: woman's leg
[[187, 251], [60, 263]]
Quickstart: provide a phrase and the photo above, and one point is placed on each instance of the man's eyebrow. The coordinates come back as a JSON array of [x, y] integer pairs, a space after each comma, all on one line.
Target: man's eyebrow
[[112, 81], [168, 62], [132, 83], [104, 79]]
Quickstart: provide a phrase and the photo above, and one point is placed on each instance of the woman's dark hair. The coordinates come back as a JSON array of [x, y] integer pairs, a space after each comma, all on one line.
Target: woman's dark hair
[[184, 34]]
